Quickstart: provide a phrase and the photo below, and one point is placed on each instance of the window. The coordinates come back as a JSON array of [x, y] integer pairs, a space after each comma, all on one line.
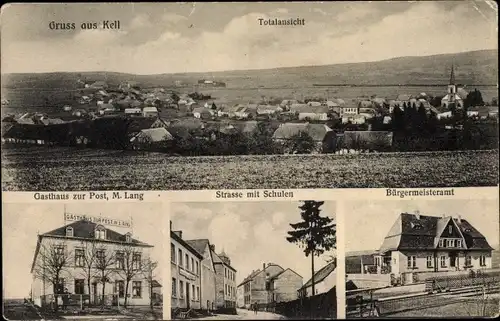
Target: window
[[187, 262], [468, 261], [482, 260], [136, 289], [120, 260], [79, 286], [79, 257], [100, 233], [192, 264], [197, 268], [59, 249], [459, 243], [412, 261], [450, 229], [180, 257], [69, 231], [120, 288], [429, 261], [181, 289], [60, 286], [449, 243], [443, 261], [174, 287], [194, 293], [136, 261], [441, 243], [172, 253], [128, 238]]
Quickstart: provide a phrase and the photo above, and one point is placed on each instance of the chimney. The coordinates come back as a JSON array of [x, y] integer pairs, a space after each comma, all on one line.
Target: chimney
[[263, 266], [459, 219], [170, 225], [212, 247], [417, 214]]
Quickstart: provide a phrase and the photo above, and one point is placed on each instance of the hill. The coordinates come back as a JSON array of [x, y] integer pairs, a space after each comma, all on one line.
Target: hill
[[471, 68]]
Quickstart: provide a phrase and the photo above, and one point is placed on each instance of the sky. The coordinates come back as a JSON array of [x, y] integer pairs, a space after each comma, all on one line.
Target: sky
[[372, 220], [250, 233], [22, 222], [199, 37]]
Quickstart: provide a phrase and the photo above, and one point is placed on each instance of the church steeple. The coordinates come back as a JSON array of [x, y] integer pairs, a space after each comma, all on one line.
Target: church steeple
[[452, 75]]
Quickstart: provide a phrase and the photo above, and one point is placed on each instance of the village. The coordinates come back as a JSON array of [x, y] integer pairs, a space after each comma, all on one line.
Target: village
[[130, 117]]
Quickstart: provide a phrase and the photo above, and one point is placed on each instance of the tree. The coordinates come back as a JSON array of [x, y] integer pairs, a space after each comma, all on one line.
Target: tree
[[130, 264], [474, 98], [260, 140], [85, 257], [315, 233], [301, 143], [149, 267], [52, 261], [104, 262]]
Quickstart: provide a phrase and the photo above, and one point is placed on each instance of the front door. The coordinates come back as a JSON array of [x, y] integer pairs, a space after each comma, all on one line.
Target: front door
[[188, 301], [453, 259], [94, 293]]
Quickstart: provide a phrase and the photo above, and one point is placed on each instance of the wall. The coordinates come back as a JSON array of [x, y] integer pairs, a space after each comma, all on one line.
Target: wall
[[219, 285], [208, 280], [240, 297], [286, 286], [259, 293]]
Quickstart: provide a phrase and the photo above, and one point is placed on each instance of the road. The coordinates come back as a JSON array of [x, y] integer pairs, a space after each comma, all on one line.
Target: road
[[247, 315]]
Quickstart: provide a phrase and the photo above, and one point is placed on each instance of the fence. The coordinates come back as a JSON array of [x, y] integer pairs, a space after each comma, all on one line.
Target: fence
[[319, 306], [459, 281], [78, 301]]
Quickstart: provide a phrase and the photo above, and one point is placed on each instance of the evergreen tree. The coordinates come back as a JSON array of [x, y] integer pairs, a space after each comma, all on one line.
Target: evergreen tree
[[315, 233]]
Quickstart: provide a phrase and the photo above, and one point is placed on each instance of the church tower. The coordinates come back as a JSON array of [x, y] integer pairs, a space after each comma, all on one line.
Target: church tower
[[452, 88]]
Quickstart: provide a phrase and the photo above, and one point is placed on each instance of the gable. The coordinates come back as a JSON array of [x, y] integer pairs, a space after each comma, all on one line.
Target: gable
[[450, 230]]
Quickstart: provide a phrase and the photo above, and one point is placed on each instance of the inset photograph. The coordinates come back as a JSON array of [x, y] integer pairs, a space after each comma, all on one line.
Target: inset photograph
[[421, 258], [253, 260], [96, 261]]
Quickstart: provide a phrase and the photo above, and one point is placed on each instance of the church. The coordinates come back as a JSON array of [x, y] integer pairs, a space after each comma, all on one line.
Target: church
[[455, 95]]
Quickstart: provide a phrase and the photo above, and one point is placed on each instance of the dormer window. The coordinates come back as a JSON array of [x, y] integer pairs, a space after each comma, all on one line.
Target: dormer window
[[100, 232], [69, 231], [128, 238], [415, 225]]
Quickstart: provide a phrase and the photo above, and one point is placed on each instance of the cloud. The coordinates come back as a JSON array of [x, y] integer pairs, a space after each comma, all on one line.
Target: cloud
[[425, 28], [140, 21]]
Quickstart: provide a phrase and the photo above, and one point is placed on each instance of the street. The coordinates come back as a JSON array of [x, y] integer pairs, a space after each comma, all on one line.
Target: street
[[247, 315]]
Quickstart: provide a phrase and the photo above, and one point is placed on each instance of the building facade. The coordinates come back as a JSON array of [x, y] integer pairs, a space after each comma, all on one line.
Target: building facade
[[208, 279], [418, 243], [270, 284], [67, 258], [225, 284], [185, 273]]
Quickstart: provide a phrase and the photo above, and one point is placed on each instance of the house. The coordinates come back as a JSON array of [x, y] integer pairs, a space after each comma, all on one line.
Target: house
[[361, 262], [157, 293], [286, 103], [225, 280], [268, 109], [150, 112], [208, 278], [113, 248], [150, 137], [185, 272], [203, 113], [243, 111], [99, 85], [324, 280], [309, 112], [323, 136], [67, 108], [314, 103], [419, 243], [348, 110], [133, 111], [265, 285]]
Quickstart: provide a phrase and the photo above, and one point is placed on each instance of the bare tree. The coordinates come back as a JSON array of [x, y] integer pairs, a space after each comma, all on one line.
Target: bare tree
[[104, 262], [130, 265], [85, 257], [51, 263], [148, 270]]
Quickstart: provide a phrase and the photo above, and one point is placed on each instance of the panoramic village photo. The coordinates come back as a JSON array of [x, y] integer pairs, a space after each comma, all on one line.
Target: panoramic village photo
[[253, 260], [82, 262], [182, 96], [424, 259]]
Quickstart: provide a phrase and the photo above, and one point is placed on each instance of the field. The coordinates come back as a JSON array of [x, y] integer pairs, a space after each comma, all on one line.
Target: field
[[41, 168]]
